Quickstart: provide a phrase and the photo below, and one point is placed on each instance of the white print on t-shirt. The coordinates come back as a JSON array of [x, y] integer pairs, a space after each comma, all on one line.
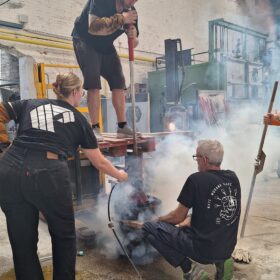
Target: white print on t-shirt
[[43, 116], [223, 197]]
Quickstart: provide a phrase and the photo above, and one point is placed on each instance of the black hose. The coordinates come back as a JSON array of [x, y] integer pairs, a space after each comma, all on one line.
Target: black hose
[[111, 225]]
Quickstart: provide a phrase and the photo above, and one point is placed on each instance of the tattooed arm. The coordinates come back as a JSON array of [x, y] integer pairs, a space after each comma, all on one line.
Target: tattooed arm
[[4, 118], [108, 25]]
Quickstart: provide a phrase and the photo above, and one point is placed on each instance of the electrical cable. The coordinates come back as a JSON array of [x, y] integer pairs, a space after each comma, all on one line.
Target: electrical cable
[[111, 225], [4, 3]]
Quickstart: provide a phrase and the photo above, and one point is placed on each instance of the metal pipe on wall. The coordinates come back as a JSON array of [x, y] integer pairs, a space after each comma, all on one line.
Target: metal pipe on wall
[[66, 46], [35, 36], [15, 38]]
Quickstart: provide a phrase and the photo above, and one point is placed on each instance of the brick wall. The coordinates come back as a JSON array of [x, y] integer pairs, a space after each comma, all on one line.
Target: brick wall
[[158, 20]]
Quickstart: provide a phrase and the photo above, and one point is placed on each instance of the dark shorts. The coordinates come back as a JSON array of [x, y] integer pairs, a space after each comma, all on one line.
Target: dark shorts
[[94, 64]]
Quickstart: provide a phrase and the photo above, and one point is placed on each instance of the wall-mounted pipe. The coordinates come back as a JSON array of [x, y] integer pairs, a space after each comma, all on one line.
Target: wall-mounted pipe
[[61, 66], [15, 38], [23, 33], [66, 46]]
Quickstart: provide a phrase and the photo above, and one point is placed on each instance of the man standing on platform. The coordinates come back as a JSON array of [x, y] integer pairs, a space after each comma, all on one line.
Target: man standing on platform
[[100, 23]]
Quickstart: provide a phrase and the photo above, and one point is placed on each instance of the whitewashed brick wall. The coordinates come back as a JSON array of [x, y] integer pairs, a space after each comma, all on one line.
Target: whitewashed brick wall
[[158, 19]]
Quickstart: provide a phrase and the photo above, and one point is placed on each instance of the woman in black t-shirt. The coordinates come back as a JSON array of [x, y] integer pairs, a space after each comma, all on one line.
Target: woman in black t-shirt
[[35, 177]]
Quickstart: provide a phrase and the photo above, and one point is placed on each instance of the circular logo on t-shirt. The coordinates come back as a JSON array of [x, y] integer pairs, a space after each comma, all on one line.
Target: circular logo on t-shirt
[[223, 198]]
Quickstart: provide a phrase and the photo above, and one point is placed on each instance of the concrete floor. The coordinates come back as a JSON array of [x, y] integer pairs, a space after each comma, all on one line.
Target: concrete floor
[[262, 239]]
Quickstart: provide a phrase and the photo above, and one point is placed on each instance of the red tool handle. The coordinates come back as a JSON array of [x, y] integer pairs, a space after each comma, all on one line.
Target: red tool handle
[[131, 49]]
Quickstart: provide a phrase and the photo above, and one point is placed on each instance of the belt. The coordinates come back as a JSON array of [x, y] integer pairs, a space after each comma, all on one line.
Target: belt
[[51, 155]]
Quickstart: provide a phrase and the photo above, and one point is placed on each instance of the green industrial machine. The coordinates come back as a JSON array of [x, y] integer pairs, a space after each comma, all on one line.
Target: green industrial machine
[[204, 76], [237, 67]]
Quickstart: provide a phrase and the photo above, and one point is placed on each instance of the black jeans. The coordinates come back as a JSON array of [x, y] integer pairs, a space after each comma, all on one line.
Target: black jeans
[[173, 243], [29, 183]]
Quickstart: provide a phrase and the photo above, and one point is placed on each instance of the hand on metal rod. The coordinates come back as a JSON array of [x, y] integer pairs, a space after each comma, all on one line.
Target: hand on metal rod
[[123, 176], [130, 17], [272, 119], [132, 40]]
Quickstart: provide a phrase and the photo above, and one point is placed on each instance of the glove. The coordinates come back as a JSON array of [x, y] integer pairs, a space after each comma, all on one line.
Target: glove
[[240, 255], [272, 119]]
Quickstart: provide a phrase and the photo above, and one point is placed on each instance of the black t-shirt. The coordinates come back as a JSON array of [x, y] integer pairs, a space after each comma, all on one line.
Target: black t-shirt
[[50, 125], [215, 198], [99, 8]]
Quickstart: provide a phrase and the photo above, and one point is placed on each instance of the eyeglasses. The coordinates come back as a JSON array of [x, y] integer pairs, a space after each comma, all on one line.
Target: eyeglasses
[[195, 157], [83, 93]]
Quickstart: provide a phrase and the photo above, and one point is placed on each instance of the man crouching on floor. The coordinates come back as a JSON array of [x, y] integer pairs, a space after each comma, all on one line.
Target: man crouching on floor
[[210, 236]]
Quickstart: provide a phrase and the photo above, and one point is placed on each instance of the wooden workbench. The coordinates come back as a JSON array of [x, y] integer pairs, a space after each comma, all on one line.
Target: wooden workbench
[[114, 147]]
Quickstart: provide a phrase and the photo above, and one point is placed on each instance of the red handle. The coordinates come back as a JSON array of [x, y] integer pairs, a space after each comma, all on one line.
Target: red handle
[[131, 49]]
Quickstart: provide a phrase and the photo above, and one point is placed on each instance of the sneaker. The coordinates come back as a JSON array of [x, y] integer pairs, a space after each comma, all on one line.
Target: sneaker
[[126, 132], [97, 134], [196, 273], [224, 270]]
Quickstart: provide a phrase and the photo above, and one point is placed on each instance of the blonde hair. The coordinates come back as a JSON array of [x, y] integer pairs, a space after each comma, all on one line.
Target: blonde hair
[[213, 150], [65, 84]]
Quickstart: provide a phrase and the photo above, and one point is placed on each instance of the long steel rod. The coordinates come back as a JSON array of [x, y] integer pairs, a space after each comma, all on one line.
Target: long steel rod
[[132, 92], [259, 162]]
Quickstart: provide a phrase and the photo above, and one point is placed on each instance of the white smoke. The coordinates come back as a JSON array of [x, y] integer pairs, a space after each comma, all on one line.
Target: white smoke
[[172, 163], [168, 167], [105, 238], [121, 205]]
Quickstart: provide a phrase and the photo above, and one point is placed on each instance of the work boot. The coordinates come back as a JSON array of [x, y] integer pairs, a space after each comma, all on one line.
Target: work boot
[[126, 132], [97, 134], [196, 273], [224, 270]]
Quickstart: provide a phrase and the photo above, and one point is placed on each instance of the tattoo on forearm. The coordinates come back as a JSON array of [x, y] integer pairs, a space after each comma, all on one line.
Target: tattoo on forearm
[[106, 25], [4, 118]]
